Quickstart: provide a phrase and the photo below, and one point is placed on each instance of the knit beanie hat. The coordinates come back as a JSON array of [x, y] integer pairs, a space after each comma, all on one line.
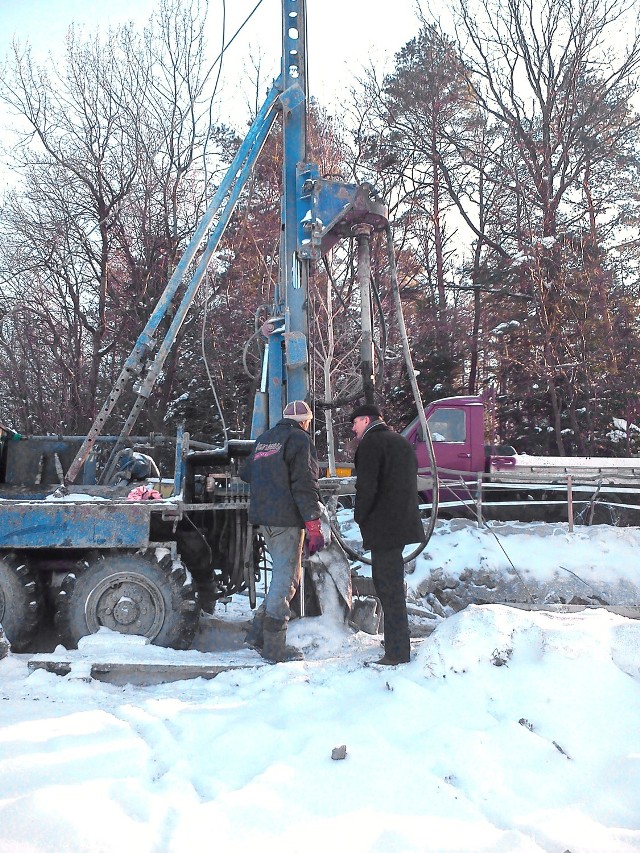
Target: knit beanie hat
[[297, 410], [365, 410]]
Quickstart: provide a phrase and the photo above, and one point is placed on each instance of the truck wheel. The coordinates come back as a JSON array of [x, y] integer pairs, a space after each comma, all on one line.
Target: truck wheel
[[20, 601], [131, 594]]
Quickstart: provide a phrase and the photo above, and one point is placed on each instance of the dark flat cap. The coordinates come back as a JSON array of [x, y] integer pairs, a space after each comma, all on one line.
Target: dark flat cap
[[369, 410]]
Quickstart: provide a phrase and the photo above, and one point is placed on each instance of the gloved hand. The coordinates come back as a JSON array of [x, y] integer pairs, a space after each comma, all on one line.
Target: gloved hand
[[315, 538]]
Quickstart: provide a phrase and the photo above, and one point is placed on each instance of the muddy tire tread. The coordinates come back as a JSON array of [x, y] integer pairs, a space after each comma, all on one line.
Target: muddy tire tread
[[23, 600]]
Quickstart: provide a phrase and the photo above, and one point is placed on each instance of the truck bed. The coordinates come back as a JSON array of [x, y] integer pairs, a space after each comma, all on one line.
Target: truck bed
[[544, 469], [76, 524]]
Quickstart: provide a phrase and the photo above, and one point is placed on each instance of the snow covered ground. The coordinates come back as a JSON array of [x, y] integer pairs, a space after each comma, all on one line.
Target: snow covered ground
[[508, 731]]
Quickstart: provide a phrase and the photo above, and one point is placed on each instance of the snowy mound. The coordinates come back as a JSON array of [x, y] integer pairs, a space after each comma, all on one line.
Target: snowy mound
[[535, 564]]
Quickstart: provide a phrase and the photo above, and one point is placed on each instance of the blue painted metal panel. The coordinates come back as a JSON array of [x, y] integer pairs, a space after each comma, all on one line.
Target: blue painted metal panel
[[90, 524], [179, 469], [308, 224], [329, 210], [296, 350], [260, 420], [294, 271]]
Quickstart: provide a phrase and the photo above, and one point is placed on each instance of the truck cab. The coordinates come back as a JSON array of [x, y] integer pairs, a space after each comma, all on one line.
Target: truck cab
[[456, 425]]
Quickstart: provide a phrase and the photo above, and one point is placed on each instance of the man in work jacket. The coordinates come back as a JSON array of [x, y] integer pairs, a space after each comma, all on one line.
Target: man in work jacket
[[387, 513], [285, 502]]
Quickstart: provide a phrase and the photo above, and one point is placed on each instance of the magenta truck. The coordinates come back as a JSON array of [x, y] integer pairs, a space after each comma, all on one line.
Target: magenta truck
[[501, 484]]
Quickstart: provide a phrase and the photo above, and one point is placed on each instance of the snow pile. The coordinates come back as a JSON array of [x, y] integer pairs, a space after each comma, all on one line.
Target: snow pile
[[74, 497], [518, 562], [509, 731], [531, 563]]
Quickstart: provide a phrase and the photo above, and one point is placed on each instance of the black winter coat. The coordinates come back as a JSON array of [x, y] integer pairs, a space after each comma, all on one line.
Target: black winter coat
[[386, 490], [283, 472]]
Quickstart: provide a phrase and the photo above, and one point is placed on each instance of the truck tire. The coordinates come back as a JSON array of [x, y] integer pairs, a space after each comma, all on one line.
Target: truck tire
[[21, 602], [131, 594]]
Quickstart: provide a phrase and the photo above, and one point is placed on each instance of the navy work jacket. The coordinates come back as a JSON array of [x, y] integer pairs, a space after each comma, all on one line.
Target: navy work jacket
[[283, 472]]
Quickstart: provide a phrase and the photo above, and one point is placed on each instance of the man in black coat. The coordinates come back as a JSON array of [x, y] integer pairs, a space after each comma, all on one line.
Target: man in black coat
[[285, 502], [387, 513]]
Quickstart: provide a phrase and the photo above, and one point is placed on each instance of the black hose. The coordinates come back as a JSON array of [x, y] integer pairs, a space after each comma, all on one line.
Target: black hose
[[393, 273], [367, 560]]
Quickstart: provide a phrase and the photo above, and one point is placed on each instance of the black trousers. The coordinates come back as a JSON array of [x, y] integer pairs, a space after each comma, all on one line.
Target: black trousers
[[387, 571]]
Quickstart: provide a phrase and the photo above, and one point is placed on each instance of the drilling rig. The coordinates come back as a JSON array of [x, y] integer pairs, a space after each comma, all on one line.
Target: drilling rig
[[148, 567]]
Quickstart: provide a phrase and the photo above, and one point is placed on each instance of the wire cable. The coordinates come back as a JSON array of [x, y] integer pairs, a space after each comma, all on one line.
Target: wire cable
[[206, 362], [393, 273], [218, 61], [236, 34]]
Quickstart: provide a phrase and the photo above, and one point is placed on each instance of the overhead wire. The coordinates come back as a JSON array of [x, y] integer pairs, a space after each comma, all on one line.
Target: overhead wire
[[393, 274], [237, 32]]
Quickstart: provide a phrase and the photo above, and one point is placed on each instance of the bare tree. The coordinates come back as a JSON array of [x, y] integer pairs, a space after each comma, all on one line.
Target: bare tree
[[531, 103], [116, 162]]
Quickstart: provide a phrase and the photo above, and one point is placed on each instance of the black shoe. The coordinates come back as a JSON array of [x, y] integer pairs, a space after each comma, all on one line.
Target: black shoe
[[386, 660]]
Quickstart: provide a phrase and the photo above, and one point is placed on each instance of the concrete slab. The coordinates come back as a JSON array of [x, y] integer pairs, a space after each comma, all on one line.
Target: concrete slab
[[140, 673], [128, 659]]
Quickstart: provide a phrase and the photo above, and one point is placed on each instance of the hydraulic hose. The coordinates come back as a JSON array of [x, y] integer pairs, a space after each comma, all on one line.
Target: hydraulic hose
[[367, 560], [393, 273], [421, 416]]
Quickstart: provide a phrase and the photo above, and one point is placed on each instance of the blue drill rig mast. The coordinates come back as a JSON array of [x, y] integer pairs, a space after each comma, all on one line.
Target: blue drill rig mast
[[316, 213], [148, 567]]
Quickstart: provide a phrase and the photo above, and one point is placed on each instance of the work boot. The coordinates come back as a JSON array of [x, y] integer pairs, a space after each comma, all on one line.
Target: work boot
[[254, 638], [275, 649], [208, 594], [387, 660]]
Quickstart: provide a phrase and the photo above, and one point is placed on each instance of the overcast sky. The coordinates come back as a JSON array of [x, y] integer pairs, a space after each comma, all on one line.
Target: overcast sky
[[341, 35]]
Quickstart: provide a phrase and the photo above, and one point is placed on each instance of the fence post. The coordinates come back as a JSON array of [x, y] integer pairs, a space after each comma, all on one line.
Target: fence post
[[479, 500], [570, 502]]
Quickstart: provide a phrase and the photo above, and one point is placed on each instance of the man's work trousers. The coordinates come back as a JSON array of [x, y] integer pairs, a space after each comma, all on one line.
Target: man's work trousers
[[284, 544], [387, 571]]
